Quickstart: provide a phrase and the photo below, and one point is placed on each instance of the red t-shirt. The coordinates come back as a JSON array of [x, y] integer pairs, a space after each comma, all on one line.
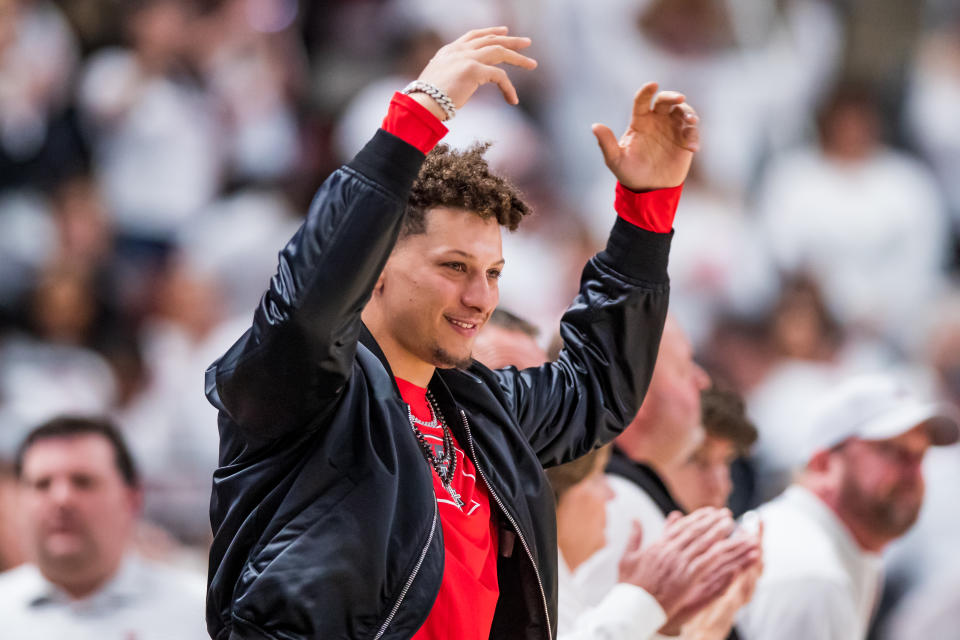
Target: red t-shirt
[[468, 594]]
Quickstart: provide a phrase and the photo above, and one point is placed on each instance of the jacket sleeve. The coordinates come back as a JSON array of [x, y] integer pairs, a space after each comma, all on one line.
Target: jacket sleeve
[[611, 334], [297, 356]]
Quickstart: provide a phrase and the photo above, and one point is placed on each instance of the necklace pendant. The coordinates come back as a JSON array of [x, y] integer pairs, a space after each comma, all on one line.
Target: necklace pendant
[[453, 494]]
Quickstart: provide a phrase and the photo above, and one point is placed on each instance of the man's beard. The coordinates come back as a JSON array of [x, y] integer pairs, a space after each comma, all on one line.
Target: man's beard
[[891, 515], [443, 359]]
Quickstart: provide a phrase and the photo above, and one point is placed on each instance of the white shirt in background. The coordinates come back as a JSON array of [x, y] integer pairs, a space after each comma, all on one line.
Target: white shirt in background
[[143, 601], [598, 574], [625, 612], [817, 582]]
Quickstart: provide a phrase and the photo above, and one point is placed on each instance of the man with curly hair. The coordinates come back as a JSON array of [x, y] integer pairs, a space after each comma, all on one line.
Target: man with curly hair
[[375, 481]]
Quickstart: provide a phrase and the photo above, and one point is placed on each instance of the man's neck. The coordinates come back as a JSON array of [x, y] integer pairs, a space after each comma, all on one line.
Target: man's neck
[[402, 363], [79, 587], [865, 538]]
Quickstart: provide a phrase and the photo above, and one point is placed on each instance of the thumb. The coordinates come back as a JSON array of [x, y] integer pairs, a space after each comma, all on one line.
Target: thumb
[[608, 143]]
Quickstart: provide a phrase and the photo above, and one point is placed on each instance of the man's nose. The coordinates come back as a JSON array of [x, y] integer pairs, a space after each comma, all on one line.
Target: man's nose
[[61, 492], [702, 377], [481, 293]]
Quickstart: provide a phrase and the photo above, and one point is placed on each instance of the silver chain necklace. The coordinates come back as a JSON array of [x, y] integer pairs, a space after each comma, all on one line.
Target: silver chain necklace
[[444, 464]]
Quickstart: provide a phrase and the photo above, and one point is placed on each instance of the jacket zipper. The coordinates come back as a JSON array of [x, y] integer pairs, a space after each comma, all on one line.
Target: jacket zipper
[[413, 574], [513, 523]]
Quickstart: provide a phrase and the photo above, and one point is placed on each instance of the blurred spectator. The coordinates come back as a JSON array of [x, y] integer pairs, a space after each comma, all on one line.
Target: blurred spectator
[[629, 610], [666, 430], [659, 440], [717, 53], [718, 264], [703, 479], [862, 488], [48, 369], [931, 100], [253, 69], [933, 611], [80, 495], [582, 491], [169, 423], [83, 225], [925, 559], [38, 56], [28, 241], [11, 550], [861, 219], [508, 340], [154, 135]]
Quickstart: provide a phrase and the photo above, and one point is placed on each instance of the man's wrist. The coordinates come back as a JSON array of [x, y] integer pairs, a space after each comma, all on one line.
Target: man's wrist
[[413, 123], [429, 104], [438, 98], [650, 210]]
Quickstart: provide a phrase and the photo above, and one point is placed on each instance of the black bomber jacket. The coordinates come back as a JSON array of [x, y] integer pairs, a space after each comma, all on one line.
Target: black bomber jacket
[[323, 510]]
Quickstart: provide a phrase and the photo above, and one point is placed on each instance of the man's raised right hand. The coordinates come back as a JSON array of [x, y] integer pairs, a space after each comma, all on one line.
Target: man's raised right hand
[[461, 67]]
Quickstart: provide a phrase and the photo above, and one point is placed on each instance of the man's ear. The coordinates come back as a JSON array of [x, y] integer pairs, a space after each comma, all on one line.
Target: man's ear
[[819, 461], [378, 287]]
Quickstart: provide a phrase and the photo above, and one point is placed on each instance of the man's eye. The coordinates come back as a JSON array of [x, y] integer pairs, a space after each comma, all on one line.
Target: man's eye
[[456, 266], [82, 482], [494, 273]]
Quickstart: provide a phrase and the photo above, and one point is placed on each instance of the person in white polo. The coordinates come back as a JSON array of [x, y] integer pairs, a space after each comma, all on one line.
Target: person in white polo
[[861, 488]]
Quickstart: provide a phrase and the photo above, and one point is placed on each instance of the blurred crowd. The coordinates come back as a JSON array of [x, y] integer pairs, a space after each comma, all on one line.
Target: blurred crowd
[[156, 154]]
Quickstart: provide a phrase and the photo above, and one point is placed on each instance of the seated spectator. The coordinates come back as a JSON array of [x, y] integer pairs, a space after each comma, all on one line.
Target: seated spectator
[[666, 432], [508, 340], [861, 489], [629, 610], [648, 593], [80, 499], [703, 479]]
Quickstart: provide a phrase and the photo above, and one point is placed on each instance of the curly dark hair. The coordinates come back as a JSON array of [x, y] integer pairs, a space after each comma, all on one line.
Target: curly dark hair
[[462, 180]]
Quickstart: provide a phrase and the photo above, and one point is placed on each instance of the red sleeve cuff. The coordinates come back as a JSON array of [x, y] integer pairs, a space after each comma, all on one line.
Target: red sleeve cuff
[[650, 210], [413, 123]]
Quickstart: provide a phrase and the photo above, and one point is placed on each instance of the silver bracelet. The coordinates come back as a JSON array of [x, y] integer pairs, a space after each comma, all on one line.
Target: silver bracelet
[[441, 98]]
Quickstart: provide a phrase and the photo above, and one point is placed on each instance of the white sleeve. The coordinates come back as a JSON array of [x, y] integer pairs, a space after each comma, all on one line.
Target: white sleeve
[[799, 610], [627, 612]]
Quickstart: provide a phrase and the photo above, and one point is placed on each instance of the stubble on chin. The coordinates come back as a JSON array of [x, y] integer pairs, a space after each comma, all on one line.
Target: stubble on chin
[[443, 359]]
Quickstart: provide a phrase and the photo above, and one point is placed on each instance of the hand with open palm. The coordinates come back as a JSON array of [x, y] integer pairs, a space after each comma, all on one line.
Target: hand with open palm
[[656, 150]]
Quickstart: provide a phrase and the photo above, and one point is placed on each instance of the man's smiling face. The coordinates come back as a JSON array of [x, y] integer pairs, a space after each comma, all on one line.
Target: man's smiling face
[[439, 288]]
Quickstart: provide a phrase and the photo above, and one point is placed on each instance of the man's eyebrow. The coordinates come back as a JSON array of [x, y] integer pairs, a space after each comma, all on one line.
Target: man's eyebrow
[[470, 256]]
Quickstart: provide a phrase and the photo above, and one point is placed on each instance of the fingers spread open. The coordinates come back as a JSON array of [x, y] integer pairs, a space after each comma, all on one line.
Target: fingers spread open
[[511, 42], [479, 33]]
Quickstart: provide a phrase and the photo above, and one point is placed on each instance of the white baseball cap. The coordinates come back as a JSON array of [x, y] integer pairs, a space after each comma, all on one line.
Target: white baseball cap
[[878, 407]]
